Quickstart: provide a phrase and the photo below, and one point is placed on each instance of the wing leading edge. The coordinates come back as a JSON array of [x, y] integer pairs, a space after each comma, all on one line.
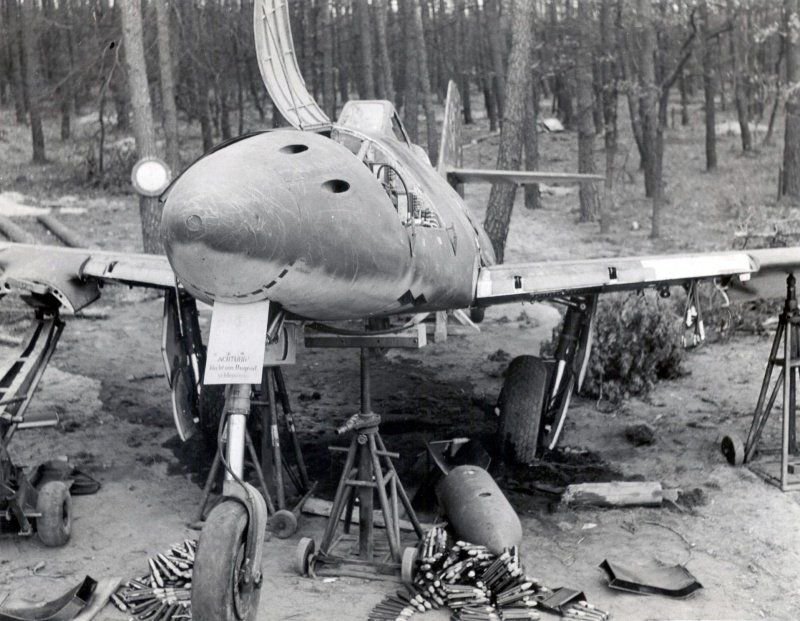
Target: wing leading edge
[[528, 281], [73, 275]]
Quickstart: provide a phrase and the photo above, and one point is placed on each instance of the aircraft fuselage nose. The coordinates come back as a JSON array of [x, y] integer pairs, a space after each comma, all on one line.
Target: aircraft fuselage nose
[[289, 216]]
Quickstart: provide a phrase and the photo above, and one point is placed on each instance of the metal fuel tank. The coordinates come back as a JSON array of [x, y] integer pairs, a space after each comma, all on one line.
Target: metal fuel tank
[[478, 510]]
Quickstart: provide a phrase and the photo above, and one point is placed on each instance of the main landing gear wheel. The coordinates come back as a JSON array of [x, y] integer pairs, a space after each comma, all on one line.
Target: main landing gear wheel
[[305, 550], [521, 404], [219, 592], [408, 566], [733, 449], [477, 313], [283, 524], [54, 503]]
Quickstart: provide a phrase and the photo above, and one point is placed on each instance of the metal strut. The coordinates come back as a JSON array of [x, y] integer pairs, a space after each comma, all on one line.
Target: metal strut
[[20, 376], [270, 468]]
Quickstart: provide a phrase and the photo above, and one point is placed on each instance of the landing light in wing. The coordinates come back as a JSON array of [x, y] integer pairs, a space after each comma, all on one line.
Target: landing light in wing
[[150, 176]]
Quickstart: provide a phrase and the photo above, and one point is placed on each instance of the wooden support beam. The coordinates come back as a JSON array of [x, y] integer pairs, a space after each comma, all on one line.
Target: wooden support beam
[[62, 231], [614, 494], [14, 232]]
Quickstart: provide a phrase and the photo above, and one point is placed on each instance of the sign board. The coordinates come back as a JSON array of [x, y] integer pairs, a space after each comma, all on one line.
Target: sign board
[[236, 343]]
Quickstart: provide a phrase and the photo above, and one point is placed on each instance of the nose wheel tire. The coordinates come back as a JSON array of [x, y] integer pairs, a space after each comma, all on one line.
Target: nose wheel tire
[[54, 503], [733, 449], [283, 524], [408, 566], [220, 591], [305, 551]]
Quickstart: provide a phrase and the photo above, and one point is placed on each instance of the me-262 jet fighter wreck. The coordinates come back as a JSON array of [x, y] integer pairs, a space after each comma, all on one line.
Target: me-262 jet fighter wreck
[[344, 230]]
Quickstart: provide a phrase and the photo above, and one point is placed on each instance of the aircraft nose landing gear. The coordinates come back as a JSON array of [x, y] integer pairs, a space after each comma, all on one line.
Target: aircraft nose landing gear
[[226, 582]]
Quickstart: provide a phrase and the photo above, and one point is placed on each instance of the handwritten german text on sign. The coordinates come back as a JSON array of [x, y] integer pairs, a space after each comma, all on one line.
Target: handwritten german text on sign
[[236, 343]]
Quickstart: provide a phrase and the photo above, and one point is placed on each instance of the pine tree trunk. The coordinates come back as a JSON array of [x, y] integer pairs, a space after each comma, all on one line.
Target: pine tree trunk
[[610, 78], [33, 79], [423, 76], [65, 67], [738, 38], [462, 59], [385, 64], [328, 78], [791, 140], [167, 86], [496, 50], [589, 201], [485, 68], [367, 86], [144, 132], [709, 88], [340, 51], [14, 47], [684, 91], [501, 198], [533, 199], [119, 81], [648, 92], [411, 95]]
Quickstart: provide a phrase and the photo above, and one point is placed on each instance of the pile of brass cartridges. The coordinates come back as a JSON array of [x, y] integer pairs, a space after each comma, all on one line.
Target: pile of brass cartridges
[[477, 585], [165, 594]]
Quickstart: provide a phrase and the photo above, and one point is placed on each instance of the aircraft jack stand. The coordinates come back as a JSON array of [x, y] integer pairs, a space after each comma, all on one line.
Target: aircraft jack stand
[[368, 469], [28, 506], [786, 473], [282, 521]]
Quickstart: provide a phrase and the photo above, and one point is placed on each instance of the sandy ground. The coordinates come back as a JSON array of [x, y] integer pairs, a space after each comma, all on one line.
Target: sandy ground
[[740, 539]]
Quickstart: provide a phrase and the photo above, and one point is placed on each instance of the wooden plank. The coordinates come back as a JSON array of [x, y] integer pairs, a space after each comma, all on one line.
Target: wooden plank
[[614, 494]]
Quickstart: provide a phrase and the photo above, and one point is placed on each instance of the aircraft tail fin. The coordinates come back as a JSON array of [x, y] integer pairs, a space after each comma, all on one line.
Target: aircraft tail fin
[[450, 145]]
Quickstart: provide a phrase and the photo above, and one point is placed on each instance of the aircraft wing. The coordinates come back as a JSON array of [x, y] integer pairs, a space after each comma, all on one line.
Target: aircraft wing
[[498, 284], [74, 275]]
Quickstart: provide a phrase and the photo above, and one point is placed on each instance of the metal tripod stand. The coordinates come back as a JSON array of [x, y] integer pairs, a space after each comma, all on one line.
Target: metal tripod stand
[[368, 471], [787, 336]]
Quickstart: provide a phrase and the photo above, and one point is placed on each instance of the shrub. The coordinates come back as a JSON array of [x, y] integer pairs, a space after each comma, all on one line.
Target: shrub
[[637, 341], [118, 161]]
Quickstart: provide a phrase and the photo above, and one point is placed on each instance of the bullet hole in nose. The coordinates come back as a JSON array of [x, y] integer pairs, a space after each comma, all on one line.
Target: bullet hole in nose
[[292, 149], [194, 223], [336, 186]]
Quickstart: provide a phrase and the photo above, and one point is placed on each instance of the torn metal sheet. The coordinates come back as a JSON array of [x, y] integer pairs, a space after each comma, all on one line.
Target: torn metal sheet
[[449, 454], [672, 581], [63, 608]]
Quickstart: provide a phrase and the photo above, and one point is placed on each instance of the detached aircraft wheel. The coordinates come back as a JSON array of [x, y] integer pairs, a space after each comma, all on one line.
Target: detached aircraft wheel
[[283, 524], [302, 559], [733, 449], [219, 591], [54, 525], [521, 404], [408, 566]]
